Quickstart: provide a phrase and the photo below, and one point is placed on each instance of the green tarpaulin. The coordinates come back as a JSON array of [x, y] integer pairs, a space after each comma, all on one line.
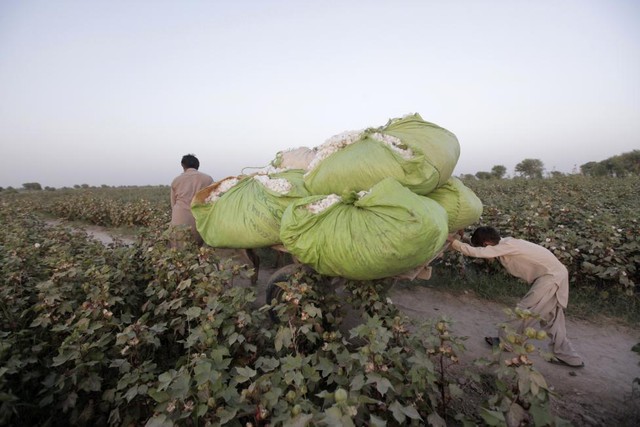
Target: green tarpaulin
[[248, 214], [461, 203], [388, 231], [418, 154]]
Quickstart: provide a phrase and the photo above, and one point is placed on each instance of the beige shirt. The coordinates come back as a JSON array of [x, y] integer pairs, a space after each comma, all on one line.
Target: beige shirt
[[183, 188], [524, 260]]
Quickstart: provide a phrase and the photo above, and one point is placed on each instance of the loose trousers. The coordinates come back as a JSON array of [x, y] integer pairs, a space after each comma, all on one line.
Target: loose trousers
[[542, 300]]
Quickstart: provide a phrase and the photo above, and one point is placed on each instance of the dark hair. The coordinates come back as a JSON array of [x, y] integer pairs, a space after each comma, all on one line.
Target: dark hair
[[190, 161], [483, 235]]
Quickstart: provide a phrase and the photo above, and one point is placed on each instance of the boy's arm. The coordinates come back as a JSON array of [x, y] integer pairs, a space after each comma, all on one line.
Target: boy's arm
[[173, 196], [480, 252]]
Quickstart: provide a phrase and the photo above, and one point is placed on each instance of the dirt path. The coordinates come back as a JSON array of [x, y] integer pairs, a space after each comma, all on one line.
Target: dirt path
[[597, 395], [102, 234], [600, 394]]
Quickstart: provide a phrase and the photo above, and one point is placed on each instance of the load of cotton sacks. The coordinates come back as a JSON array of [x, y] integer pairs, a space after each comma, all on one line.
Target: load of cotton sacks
[[354, 206]]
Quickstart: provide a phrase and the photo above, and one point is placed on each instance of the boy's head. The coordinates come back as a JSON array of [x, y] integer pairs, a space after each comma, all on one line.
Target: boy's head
[[190, 161], [485, 236]]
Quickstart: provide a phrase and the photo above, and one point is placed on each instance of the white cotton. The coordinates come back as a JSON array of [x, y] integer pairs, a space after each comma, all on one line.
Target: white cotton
[[323, 204], [222, 188], [394, 143], [277, 185], [332, 145], [268, 170], [363, 193]]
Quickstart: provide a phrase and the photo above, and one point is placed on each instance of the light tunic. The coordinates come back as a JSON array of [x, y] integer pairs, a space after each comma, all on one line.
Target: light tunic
[[525, 260], [548, 295], [183, 188]]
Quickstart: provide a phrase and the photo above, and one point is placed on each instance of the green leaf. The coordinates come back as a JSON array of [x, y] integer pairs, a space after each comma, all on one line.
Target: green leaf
[[541, 415], [233, 338], [411, 412], [435, 420], [244, 374], [516, 415], [202, 409], [493, 418], [325, 366], [64, 357], [267, 364], [165, 379], [202, 372], [92, 383], [179, 388], [382, 384], [376, 422], [398, 413], [300, 420], [357, 382], [226, 415], [69, 402], [159, 420], [193, 313], [184, 284], [455, 390], [131, 393], [283, 338]]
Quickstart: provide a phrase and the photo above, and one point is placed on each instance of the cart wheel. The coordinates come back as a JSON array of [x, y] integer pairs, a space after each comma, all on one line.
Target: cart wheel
[[274, 291]]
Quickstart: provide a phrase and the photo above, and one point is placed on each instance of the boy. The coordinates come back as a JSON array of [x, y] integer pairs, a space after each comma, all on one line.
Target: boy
[[549, 279], [183, 188]]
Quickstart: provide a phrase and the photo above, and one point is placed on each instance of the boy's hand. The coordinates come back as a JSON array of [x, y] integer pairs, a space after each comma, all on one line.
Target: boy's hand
[[453, 236]]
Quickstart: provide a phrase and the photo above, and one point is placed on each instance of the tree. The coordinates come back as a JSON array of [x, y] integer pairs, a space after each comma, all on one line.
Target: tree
[[622, 165], [631, 161], [498, 171], [32, 186], [530, 168], [484, 175], [467, 177]]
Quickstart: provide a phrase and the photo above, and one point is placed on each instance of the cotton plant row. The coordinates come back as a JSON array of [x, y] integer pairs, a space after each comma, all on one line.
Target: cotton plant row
[[142, 334]]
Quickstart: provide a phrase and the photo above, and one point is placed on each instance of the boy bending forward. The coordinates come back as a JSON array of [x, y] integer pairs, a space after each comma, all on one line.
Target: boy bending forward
[[549, 279]]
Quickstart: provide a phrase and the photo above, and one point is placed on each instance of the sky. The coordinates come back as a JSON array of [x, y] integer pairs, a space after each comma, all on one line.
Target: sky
[[115, 92]]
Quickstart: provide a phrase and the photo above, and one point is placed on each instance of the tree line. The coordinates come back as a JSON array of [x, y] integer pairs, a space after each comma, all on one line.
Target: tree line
[[622, 165]]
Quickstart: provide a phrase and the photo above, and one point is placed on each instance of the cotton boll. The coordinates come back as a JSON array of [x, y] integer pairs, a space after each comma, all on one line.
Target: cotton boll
[[268, 170], [323, 204], [277, 185], [222, 188], [334, 144], [394, 143]]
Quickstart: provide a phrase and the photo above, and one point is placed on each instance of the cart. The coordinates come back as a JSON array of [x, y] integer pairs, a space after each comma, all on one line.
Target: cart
[[284, 274]]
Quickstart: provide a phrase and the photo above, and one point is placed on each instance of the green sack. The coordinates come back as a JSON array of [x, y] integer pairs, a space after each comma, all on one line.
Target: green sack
[[418, 154], [246, 215], [461, 203], [384, 232]]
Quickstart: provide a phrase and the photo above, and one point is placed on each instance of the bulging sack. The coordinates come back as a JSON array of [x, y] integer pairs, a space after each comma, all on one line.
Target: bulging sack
[[418, 154], [461, 203], [244, 212], [380, 233], [295, 158]]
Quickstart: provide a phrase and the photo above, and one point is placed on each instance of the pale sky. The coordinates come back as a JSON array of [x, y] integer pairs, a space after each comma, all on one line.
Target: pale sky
[[115, 92]]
